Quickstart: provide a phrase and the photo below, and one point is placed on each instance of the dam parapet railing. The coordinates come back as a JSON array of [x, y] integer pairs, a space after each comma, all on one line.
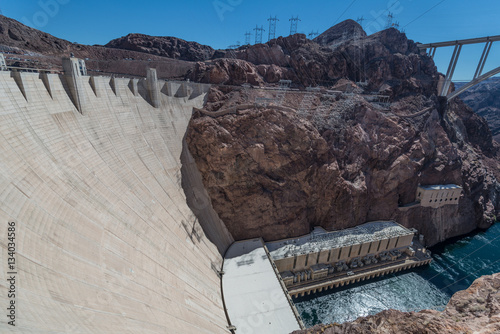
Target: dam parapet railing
[[74, 78]]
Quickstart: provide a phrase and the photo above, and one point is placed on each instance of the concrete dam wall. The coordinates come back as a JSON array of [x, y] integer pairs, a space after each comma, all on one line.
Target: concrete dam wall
[[113, 233]]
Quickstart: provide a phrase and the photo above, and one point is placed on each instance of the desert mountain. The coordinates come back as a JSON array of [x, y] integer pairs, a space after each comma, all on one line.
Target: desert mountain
[[485, 100]]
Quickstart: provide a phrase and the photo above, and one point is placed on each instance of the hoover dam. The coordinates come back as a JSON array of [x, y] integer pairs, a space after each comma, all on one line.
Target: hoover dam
[[205, 202], [99, 203]]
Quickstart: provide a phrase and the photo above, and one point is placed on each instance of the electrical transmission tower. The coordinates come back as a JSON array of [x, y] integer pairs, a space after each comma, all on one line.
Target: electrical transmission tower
[[248, 37], [313, 34], [231, 48], [258, 34], [360, 20], [284, 87], [307, 101], [389, 23], [272, 27], [294, 24]]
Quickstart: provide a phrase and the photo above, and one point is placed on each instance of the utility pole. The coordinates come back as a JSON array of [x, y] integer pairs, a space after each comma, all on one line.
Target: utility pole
[[293, 26], [272, 27], [248, 36], [258, 34], [313, 34]]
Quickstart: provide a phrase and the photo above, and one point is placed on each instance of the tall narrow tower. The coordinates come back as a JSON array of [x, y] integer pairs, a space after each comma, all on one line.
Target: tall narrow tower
[[360, 20], [248, 36], [293, 26], [272, 27], [313, 34], [389, 23], [258, 34]]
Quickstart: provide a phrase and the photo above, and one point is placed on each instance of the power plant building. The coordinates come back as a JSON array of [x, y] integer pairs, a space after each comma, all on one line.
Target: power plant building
[[320, 253]]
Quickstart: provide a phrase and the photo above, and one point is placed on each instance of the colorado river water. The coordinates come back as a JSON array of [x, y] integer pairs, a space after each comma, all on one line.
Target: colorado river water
[[456, 264]]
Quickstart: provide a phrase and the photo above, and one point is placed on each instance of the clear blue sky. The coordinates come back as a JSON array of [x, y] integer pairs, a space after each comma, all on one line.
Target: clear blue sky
[[220, 23]]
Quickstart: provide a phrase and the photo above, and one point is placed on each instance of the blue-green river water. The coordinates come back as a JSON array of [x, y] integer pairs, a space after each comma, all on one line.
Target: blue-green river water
[[456, 264]]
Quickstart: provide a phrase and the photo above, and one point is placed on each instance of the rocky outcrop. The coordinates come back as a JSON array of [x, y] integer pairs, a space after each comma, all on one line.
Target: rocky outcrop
[[28, 47], [170, 47], [475, 310], [339, 32], [484, 99], [16, 35], [387, 60], [286, 172]]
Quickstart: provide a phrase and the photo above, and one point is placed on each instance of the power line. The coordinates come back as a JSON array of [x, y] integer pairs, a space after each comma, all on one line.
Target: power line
[[352, 3], [425, 12], [459, 261], [456, 281]]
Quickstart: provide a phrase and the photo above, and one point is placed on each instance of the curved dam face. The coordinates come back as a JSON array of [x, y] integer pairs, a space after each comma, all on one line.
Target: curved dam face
[[105, 240]]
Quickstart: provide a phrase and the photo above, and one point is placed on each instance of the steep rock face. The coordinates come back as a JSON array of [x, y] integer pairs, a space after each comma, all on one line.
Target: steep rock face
[[276, 174], [267, 178], [484, 99], [339, 31], [170, 47], [17, 35], [475, 310], [387, 60]]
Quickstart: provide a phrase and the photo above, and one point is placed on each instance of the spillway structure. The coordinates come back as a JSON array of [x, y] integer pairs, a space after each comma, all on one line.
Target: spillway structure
[[105, 224]]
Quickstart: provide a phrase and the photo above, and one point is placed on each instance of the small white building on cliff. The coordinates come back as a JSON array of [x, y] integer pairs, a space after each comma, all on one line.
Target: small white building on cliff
[[436, 196]]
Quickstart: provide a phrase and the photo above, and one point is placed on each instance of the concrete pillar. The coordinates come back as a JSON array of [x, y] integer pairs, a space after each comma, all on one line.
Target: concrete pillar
[[47, 82], [3, 63], [482, 61], [451, 70], [18, 79], [96, 85], [183, 90], [73, 73], [133, 85], [198, 90], [114, 86], [152, 86]]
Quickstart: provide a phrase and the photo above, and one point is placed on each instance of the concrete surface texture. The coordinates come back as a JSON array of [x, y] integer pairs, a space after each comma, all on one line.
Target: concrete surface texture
[[105, 239], [255, 300]]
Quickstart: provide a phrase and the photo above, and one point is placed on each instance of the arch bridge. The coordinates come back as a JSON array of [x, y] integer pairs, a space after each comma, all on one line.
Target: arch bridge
[[431, 48]]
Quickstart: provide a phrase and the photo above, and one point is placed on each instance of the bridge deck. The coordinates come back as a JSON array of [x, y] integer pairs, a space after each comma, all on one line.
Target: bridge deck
[[458, 42]]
